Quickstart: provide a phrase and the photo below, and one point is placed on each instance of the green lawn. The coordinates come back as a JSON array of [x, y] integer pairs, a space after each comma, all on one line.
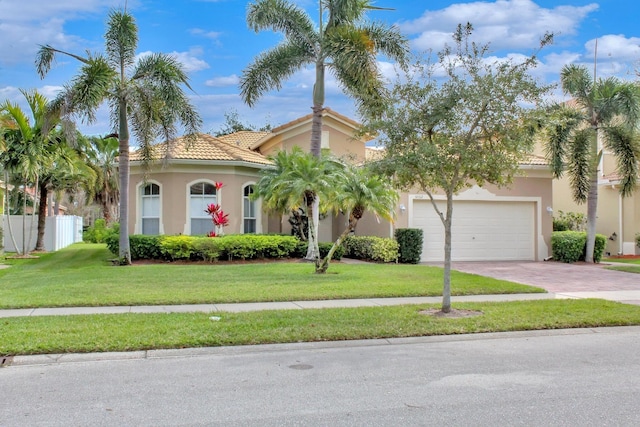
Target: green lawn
[[625, 268], [623, 260], [81, 275], [127, 332]]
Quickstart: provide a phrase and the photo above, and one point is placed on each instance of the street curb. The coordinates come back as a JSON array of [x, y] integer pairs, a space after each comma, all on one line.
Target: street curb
[[63, 358]]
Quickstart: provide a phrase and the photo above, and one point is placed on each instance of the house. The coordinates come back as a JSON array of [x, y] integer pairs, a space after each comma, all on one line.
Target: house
[[617, 217], [489, 223]]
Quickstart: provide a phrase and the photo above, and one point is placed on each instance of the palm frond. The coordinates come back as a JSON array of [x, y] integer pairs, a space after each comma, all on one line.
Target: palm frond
[[624, 143], [46, 55], [269, 70], [283, 16], [577, 82], [121, 39], [581, 164]]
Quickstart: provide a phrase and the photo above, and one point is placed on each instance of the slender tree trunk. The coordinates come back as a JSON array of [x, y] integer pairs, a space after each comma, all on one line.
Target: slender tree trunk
[[592, 209], [106, 212], [123, 165], [42, 217], [23, 251], [7, 210], [322, 267], [33, 211], [446, 288], [313, 252]]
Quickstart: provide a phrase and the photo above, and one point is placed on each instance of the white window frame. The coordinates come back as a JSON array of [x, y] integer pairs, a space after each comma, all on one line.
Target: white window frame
[[139, 214], [218, 200], [257, 207]]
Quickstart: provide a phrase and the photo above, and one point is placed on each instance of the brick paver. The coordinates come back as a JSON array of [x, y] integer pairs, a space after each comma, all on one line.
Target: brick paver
[[555, 277]]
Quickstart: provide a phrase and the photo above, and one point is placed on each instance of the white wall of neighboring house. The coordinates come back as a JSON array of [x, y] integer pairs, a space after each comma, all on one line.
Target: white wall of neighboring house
[[60, 231]]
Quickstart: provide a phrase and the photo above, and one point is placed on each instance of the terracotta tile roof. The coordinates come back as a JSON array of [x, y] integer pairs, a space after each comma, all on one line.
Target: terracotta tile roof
[[327, 111], [533, 160], [244, 138], [204, 147]]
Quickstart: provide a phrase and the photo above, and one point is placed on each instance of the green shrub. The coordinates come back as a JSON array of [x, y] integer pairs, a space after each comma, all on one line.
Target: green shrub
[[570, 246], [145, 246], [569, 221], [638, 240], [371, 248], [207, 248], [97, 233], [174, 248], [409, 244]]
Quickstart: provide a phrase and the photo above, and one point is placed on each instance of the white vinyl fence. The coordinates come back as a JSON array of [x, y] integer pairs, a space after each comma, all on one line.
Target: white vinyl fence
[[60, 231]]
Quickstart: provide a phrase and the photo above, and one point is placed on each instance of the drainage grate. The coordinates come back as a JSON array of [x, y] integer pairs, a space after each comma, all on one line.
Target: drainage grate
[[5, 361]]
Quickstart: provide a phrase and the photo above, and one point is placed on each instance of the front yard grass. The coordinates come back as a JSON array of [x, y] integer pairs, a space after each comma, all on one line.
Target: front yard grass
[[128, 332], [81, 275], [625, 268]]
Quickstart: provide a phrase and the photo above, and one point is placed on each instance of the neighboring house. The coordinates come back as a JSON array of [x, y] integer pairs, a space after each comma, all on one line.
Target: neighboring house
[[489, 223], [618, 218]]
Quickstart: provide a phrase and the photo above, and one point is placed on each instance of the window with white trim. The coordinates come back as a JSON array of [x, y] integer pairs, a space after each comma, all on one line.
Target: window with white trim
[[150, 209], [249, 220], [201, 195]]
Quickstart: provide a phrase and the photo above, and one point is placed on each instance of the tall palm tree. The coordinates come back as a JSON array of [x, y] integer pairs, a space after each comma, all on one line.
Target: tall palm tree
[[346, 45], [31, 148], [359, 190], [146, 94], [296, 180], [605, 116]]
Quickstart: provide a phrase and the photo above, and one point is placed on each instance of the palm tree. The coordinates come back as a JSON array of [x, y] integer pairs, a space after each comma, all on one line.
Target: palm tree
[[346, 45], [360, 190], [101, 156], [31, 149], [296, 180], [605, 116], [146, 94]]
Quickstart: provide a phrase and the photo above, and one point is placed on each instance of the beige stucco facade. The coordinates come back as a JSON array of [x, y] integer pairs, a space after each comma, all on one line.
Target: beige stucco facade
[[238, 165]]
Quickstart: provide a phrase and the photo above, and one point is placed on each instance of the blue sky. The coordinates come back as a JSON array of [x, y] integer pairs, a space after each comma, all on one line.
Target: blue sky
[[211, 39]]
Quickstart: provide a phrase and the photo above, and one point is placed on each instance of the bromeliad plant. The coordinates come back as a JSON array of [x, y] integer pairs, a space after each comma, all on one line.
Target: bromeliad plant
[[219, 218]]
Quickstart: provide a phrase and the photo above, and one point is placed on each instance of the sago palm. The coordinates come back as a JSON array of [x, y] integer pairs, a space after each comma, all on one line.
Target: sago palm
[[605, 116], [345, 44], [146, 94]]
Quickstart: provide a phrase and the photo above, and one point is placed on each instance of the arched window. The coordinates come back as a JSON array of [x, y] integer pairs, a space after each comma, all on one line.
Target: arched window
[[249, 211], [201, 194], [150, 209]]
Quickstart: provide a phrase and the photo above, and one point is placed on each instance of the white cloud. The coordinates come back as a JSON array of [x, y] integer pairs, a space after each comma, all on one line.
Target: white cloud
[[189, 60], [224, 81], [207, 34], [615, 47], [506, 24], [27, 24]]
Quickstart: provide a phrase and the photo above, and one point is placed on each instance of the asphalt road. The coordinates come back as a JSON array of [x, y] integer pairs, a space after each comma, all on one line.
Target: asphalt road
[[588, 377]]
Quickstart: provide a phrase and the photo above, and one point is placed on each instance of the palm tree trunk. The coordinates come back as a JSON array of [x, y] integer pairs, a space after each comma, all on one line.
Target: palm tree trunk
[[7, 210], [321, 268], [313, 212], [42, 217], [592, 208], [123, 164], [33, 212], [23, 251]]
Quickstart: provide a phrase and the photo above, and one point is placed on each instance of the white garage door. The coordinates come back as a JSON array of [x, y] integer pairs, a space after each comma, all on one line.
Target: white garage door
[[481, 231]]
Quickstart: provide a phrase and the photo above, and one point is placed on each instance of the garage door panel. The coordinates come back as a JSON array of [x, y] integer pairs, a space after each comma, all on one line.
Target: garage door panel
[[481, 230]]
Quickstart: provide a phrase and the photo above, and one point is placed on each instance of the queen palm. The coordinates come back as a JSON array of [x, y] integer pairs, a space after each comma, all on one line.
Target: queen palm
[[346, 45], [101, 155], [358, 191], [146, 93], [295, 181], [605, 116]]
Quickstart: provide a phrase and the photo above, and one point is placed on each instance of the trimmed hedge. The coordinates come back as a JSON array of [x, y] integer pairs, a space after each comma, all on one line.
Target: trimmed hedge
[[210, 249], [371, 248], [571, 246], [324, 247], [409, 244]]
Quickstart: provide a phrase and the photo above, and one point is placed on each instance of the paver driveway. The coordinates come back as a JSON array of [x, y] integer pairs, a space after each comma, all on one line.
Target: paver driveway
[[569, 280]]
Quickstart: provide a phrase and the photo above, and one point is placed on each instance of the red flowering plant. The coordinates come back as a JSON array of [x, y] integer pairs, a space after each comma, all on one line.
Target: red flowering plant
[[219, 218]]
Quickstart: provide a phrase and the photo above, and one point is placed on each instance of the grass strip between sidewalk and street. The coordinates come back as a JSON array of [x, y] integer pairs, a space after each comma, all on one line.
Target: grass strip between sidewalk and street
[[81, 275], [128, 332]]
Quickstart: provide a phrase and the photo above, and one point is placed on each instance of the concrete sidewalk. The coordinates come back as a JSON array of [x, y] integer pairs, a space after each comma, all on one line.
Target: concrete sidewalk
[[258, 306]]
